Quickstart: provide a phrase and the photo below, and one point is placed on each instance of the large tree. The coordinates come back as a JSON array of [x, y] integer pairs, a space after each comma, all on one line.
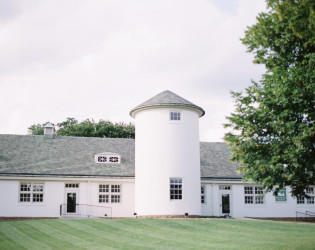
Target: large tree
[[88, 128], [273, 123]]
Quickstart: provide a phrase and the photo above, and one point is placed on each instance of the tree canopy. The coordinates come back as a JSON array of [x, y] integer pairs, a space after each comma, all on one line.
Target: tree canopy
[[88, 128], [273, 123]]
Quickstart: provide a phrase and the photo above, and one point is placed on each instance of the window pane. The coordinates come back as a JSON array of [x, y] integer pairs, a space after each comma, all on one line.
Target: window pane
[[176, 190], [103, 188], [300, 200], [25, 187], [248, 190], [103, 198], [115, 198], [202, 194], [249, 200], [37, 197], [259, 190], [115, 188], [310, 190], [175, 116], [259, 200], [310, 200], [37, 187], [25, 197]]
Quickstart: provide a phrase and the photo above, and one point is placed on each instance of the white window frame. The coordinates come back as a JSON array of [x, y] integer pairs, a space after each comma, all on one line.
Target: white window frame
[[109, 193], [176, 188], [302, 200], [175, 114], [72, 185], [104, 158], [203, 194], [32, 192], [224, 187], [254, 195]]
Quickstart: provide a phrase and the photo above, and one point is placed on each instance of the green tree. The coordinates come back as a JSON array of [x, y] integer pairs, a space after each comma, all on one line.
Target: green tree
[[274, 119], [88, 128]]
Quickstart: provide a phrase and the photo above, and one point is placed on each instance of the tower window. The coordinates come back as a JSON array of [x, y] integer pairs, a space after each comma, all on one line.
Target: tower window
[[176, 188], [175, 116]]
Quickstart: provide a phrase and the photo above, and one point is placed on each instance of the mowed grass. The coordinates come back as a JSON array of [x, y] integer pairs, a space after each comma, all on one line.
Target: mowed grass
[[155, 234]]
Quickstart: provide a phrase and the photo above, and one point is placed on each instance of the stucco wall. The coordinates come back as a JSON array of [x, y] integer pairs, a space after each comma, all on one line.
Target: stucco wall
[[55, 194], [270, 208], [164, 150]]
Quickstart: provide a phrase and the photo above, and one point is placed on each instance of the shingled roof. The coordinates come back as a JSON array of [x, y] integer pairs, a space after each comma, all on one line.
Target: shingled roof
[[34, 155], [167, 99]]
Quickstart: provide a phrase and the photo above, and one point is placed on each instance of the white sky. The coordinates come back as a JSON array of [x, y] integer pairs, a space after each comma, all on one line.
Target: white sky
[[101, 58]]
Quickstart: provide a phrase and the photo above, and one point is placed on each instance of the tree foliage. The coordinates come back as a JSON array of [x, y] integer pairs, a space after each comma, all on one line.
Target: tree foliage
[[274, 118], [88, 128]]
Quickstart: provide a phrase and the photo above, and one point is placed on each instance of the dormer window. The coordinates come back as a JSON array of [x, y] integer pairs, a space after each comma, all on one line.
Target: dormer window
[[102, 159], [107, 157]]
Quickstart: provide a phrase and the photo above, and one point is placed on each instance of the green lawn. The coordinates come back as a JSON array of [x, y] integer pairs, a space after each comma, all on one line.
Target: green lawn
[[155, 234]]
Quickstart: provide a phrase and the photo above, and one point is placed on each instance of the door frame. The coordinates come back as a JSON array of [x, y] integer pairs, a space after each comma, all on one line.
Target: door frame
[[75, 204], [71, 191], [225, 192]]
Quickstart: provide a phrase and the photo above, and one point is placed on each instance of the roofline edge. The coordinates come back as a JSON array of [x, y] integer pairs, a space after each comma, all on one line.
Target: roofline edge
[[199, 110]]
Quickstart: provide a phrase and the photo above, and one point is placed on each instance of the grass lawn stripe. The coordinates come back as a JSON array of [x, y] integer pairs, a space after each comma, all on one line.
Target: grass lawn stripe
[[62, 238], [22, 234], [108, 235], [122, 237], [83, 238], [155, 234], [159, 236], [6, 240]]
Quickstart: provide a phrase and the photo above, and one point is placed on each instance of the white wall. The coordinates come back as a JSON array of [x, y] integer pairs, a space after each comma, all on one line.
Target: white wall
[[166, 149], [11, 207], [270, 208], [55, 194]]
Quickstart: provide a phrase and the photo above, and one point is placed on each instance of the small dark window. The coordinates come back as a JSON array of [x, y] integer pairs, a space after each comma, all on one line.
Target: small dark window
[[175, 116]]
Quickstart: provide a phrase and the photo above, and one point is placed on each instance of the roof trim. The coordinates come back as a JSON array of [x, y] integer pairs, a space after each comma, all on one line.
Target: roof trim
[[65, 175], [134, 111], [221, 178]]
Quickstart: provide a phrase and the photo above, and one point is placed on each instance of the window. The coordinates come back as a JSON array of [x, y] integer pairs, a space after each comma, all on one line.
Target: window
[[107, 158], [175, 116], [72, 185], [303, 200], [203, 198], [113, 159], [109, 193], [31, 192], [253, 195], [221, 187], [176, 189], [101, 158]]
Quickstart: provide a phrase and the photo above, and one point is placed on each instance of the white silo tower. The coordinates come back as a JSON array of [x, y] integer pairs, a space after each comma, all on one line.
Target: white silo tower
[[167, 168]]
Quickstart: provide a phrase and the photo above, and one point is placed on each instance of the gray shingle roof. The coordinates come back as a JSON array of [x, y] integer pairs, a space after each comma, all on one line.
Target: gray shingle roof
[[167, 99], [74, 156]]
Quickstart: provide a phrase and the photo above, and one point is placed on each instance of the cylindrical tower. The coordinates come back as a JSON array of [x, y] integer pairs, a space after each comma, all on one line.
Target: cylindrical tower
[[167, 157]]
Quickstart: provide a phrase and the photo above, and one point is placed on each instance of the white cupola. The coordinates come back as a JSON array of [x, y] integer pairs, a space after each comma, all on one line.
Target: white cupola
[[167, 156], [49, 130]]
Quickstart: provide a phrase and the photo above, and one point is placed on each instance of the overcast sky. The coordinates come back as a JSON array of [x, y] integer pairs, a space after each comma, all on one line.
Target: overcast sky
[[101, 58]]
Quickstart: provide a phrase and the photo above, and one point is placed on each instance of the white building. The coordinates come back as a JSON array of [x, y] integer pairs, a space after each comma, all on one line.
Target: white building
[[165, 171]]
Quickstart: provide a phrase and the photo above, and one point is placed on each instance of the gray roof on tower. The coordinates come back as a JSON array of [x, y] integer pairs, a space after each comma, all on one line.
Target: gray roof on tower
[[167, 99], [35, 155]]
